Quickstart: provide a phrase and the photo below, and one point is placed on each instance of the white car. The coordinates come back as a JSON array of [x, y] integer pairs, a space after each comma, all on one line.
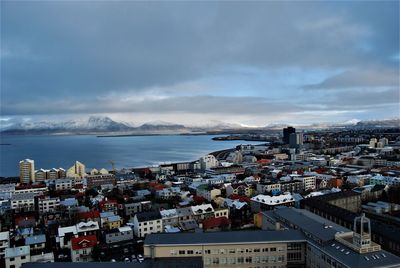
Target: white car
[[140, 258]]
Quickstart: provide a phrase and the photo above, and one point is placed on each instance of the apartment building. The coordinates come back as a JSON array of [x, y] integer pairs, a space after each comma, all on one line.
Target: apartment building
[[23, 201], [47, 204], [27, 171], [146, 223]]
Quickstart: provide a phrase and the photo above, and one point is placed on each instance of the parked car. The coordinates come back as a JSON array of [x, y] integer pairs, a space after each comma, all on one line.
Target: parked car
[[140, 258]]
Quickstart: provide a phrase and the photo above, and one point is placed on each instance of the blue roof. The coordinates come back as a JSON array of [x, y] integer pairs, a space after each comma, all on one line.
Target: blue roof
[[36, 239]]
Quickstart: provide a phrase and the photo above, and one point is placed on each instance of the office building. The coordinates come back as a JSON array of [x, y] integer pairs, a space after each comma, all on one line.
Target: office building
[[286, 133]]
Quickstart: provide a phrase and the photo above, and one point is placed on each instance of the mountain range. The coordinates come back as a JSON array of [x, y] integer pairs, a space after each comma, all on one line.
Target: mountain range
[[105, 125]]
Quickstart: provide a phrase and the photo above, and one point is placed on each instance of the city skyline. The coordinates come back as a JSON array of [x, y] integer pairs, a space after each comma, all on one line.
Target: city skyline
[[248, 63]]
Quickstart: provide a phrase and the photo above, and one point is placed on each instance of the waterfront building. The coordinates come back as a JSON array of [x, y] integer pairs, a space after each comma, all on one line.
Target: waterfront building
[[27, 171], [78, 170]]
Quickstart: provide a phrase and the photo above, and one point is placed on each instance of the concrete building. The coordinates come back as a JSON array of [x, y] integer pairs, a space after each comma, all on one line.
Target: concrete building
[[329, 244], [47, 204], [15, 257], [99, 180], [308, 181], [286, 133], [78, 171], [23, 202], [208, 161], [231, 249], [26, 171], [4, 242], [147, 223], [122, 234], [295, 140]]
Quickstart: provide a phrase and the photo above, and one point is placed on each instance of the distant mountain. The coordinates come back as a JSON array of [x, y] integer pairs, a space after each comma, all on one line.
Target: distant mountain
[[379, 123], [105, 125], [94, 124], [161, 126]]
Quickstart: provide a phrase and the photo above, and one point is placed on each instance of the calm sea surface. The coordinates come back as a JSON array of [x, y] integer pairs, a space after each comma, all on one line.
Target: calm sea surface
[[134, 151]]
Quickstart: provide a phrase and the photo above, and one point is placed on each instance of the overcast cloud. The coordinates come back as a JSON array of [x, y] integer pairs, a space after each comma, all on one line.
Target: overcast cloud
[[252, 63]]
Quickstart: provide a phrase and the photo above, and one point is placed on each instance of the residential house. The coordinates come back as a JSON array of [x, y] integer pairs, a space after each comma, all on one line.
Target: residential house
[[121, 234], [15, 257], [265, 202], [82, 248], [242, 189], [147, 223], [36, 242], [4, 242], [208, 192]]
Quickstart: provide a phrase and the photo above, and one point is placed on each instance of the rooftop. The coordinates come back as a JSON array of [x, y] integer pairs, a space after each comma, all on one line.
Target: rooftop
[[36, 239], [17, 251], [234, 237]]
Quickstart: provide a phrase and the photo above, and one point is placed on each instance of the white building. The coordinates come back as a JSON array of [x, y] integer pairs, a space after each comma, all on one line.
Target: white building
[[4, 242], [15, 257], [27, 171], [208, 161], [48, 204], [309, 182], [169, 217], [147, 223], [23, 201]]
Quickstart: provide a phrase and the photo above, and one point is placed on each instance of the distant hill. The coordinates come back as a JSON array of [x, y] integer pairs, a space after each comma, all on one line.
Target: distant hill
[[105, 125]]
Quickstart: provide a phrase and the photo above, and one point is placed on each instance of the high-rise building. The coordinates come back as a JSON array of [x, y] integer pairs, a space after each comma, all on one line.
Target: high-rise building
[[295, 140], [286, 133], [27, 171]]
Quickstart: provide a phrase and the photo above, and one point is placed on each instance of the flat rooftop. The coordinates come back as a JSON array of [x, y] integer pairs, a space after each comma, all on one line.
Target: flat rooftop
[[232, 237]]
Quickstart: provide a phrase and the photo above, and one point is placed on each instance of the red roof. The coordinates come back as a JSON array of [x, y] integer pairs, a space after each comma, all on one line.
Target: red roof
[[89, 215], [215, 222], [241, 198], [82, 242], [199, 199]]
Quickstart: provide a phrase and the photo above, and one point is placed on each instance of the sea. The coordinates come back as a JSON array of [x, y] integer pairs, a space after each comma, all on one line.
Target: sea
[[96, 152]]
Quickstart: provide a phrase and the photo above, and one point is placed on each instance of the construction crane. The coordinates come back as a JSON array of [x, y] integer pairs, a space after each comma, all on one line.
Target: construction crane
[[112, 162]]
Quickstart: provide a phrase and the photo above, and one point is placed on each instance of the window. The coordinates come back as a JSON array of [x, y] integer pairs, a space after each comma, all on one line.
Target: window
[[231, 251], [181, 252], [190, 252], [256, 250], [273, 249], [239, 250], [12, 259], [207, 251]]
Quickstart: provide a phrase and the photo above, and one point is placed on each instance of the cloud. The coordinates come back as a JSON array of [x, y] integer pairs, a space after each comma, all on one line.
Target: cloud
[[366, 77], [227, 58]]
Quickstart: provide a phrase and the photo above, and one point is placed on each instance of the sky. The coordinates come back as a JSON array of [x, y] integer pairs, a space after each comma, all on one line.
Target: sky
[[251, 63]]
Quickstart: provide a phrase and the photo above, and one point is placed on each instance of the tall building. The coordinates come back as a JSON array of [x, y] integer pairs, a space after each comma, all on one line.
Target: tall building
[[286, 133], [78, 170], [27, 171], [295, 140]]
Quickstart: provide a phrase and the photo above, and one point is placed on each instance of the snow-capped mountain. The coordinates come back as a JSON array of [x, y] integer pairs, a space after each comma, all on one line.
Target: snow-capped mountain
[[92, 124]]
